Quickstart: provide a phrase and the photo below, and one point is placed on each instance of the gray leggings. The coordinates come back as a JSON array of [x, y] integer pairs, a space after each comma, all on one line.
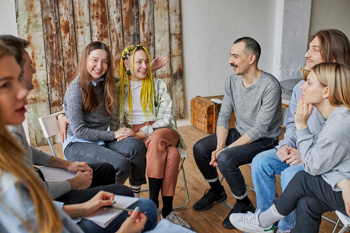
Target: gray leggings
[[127, 156]]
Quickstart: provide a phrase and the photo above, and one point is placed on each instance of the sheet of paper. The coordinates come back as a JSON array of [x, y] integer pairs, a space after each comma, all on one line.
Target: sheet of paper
[[217, 101], [103, 217], [52, 174]]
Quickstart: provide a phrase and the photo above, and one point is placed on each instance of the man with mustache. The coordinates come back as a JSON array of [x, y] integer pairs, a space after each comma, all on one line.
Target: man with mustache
[[255, 97]]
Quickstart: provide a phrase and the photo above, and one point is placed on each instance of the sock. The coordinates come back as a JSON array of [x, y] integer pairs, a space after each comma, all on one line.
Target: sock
[[268, 217], [136, 190], [245, 201], [216, 187], [167, 205], [154, 188]]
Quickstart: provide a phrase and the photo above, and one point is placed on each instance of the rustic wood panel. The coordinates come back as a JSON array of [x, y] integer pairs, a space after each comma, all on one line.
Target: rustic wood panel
[[130, 22], [177, 82], [162, 40], [99, 21], [29, 21], [116, 33], [82, 25], [53, 51], [69, 48], [147, 26]]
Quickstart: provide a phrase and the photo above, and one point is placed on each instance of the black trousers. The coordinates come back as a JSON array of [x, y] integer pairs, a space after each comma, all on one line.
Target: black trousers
[[311, 196]]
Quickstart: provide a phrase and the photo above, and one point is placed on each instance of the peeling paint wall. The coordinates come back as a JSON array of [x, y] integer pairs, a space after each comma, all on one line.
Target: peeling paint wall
[[60, 30]]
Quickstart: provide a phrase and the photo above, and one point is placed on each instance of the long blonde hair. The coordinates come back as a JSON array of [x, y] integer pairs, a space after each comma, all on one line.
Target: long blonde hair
[[337, 77], [12, 160], [148, 97]]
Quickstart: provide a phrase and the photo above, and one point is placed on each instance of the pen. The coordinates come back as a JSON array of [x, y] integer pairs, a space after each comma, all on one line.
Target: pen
[[120, 208]]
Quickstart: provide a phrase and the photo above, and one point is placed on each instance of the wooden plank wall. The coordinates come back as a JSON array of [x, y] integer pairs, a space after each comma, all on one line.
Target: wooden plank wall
[[59, 30]]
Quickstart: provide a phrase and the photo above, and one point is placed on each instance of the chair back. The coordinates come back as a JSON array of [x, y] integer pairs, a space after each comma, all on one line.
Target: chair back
[[182, 152], [49, 126]]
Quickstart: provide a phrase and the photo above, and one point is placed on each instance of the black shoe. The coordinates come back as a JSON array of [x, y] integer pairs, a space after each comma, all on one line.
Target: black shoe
[[206, 202], [237, 208]]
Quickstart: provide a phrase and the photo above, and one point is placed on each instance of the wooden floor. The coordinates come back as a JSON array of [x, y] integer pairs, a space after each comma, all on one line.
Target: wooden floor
[[211, 220]]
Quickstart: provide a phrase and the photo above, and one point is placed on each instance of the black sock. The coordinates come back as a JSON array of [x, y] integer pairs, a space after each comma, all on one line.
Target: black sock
[[167, 205], [154, 188], [216, 187], [245, 201]]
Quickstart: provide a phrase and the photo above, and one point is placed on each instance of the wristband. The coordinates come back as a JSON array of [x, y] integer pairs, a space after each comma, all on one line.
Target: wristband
[[225, 147]]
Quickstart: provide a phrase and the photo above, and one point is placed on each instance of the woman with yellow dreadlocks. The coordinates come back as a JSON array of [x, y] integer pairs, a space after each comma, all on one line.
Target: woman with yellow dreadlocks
[[146, 108]]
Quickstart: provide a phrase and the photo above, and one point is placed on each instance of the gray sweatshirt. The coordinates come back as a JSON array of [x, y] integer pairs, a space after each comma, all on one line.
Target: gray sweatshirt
[[40, 158], [258, 108], [328, 153], [89, 126]]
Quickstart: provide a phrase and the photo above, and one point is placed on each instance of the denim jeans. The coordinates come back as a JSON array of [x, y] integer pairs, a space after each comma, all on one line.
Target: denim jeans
[[145, 205], [229, 160], [127, 156], [264, 168], [311, 196]]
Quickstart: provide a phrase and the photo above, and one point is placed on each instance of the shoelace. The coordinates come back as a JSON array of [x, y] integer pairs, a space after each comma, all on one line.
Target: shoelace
[[250, 218]]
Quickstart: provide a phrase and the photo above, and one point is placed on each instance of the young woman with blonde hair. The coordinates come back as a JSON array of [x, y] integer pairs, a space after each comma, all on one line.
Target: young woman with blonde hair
[[146, 108], [325, 184]]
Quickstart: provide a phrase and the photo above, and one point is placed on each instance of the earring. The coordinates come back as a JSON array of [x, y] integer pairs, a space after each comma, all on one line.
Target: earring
[[128, 72]]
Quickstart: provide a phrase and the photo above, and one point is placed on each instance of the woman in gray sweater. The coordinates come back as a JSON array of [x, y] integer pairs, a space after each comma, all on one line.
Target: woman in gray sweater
[[89, 103], [325, 184]]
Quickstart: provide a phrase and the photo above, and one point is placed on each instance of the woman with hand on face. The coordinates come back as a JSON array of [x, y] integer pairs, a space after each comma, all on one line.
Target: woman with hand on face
[[146, 108], [25, 206], [325, 184]]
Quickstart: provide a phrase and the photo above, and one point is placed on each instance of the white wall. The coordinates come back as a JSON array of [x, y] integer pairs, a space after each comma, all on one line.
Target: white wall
[[8, 23], [209, 29], [326, 14]]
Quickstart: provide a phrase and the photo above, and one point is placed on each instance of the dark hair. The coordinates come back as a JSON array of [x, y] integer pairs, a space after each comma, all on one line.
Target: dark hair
[[89, 97], [17, 44], [335, 46], [251, 45]]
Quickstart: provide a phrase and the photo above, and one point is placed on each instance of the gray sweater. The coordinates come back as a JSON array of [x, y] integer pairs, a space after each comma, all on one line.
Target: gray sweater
[[40, 158], [328, 153], [258, 108], [89, 126]]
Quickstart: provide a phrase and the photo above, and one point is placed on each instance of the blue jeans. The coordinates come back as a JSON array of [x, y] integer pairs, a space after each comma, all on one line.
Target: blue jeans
[[264, 168], [229, 160], [127, 156], [145, 205]]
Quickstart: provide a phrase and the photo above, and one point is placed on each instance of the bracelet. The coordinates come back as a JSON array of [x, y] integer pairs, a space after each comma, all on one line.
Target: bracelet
[[225, 147], [59, 114]]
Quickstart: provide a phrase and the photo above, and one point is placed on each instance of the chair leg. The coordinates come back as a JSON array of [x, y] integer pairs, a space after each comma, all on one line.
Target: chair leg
[[185, 184], [336, 225], [51, 147]]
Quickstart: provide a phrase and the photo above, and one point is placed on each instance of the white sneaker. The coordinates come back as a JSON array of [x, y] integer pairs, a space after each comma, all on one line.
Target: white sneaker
[[174, 218], [248, 222]]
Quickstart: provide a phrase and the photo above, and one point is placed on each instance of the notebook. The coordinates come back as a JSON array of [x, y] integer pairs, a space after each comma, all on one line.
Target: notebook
[[53, 174], [103, 217]]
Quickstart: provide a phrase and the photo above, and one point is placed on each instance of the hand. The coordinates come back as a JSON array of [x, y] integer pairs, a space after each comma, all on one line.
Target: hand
[[289, 155], [62, 124], [123, 133], [79, 167], [158, 63], [134, 224], [344, 185], [101, 199], [141, 135], [82, 180], [302, 114], [214, 157]]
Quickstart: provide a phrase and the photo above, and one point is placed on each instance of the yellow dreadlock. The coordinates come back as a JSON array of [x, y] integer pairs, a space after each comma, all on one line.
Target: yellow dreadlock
[[148, 95]]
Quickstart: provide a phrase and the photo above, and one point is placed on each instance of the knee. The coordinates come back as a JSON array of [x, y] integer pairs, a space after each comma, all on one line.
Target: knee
[[223, 161], [137, 146], [199, 149], [259, 162], [288, 174]]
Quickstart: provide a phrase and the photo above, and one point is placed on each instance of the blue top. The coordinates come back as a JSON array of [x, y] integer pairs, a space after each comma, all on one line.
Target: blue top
[[16, 204]]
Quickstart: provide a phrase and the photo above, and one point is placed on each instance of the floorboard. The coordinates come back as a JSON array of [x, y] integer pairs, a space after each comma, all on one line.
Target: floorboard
[[211, 220]]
